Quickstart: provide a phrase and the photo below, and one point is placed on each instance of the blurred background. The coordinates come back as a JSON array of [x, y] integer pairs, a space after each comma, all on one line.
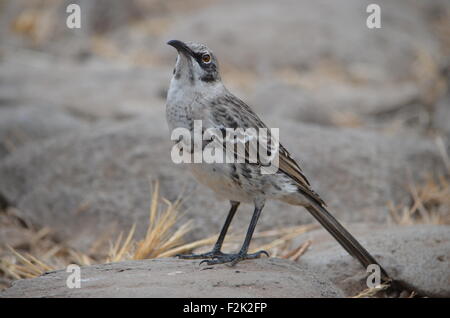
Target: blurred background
[[85, 150]]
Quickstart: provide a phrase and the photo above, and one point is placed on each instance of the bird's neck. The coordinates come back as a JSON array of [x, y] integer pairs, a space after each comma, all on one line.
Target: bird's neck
[[182, 91]]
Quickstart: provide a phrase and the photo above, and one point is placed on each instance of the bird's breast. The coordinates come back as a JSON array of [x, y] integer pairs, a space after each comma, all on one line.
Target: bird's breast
[[179, 106]]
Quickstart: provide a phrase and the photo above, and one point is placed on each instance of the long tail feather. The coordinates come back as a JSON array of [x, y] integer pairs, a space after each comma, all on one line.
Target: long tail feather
[[345, 239]]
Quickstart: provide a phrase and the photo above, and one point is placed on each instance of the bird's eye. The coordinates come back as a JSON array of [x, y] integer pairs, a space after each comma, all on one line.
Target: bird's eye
[[206, 58]]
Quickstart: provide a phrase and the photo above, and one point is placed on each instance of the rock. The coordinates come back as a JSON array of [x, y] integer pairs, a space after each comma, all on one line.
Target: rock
[[181, 278], [99, 179], [341, 105], [89, 108], [20, 125], [93, 188], [297, 59], [92, 91], [441, 118], [85, 184], [342, 71], [358, 172], [417, 256], [298, 34]]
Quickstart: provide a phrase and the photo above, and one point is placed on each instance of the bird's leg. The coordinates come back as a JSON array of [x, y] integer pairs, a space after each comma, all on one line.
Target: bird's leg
[[217, 247], [242, 254]]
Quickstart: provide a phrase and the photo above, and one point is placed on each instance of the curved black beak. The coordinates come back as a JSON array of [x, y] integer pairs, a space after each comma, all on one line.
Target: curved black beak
[[181, 47]]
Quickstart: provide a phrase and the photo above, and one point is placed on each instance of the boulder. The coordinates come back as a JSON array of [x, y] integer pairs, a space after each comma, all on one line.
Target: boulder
[[318, 62], [417, 256], [269, 35], [84, 184], [94, 91], [21, 125], [181, 278]]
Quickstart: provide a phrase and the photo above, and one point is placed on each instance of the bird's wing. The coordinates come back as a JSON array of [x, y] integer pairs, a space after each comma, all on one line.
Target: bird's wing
[[290, 167], [231, 112]]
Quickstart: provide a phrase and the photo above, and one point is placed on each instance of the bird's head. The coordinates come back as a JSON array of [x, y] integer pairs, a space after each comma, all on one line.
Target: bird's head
[[196, 64]]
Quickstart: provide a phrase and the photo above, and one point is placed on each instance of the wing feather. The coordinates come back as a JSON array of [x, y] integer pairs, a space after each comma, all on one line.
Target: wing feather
[[234, 113]]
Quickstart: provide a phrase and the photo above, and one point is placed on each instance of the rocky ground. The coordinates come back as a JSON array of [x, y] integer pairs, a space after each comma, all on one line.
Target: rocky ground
[[319, 273], [367, 112]]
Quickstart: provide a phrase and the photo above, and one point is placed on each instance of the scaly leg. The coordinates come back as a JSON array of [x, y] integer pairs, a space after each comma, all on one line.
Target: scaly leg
[[217, 247], [242, 254]]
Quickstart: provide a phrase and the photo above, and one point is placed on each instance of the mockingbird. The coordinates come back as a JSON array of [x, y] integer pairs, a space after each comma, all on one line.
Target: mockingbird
[[197, 93]]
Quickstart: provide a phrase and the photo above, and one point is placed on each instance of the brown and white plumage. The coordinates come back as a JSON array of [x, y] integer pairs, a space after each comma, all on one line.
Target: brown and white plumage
[[197, 93]]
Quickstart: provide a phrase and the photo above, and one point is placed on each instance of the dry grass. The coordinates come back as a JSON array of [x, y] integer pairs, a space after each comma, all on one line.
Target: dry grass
[[164, 238], [37, 251], [280, 241], [160, 237], [375, 292], [372, 292], [429, 202], [161, 240]]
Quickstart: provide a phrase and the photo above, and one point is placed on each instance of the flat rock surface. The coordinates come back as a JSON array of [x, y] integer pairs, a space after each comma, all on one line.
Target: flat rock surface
[[181, 278]]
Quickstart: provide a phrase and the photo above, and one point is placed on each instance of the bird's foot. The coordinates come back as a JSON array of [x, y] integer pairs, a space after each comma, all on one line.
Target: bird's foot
[[233, 259], [211, 254]]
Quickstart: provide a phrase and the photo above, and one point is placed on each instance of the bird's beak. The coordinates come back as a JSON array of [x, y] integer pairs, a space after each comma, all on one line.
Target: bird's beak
[[181, 47]]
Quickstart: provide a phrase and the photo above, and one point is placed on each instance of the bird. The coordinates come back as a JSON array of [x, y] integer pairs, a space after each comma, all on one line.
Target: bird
[[197, 93]]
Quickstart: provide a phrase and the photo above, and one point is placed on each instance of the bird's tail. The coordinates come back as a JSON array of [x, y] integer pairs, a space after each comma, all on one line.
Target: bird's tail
[[345, 239]]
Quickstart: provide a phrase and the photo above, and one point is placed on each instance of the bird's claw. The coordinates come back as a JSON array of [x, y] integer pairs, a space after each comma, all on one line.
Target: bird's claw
[[210, 254], [233, 259]]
